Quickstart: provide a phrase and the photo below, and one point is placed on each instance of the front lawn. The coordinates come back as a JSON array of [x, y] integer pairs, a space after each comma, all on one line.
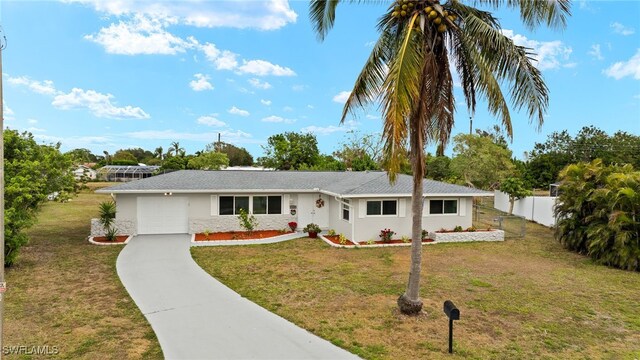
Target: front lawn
[[65, 293], [525, 298]]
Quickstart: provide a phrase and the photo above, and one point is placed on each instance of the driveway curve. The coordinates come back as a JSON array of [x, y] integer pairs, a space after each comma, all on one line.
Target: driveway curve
[[195, 316]]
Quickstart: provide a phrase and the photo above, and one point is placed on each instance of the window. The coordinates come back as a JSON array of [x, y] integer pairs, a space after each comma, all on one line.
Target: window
[[231, 205], [443, 206], [382, 207], [345, 210], [260, 205]]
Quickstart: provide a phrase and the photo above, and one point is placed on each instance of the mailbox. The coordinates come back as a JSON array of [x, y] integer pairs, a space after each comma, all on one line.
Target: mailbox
[[451, 310], [452, 313]]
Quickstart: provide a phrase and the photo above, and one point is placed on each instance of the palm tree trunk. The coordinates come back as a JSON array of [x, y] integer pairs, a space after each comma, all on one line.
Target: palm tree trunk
[[410, 303]]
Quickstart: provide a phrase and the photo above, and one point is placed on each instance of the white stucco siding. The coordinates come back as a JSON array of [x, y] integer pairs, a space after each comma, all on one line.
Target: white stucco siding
[[126, 207], [308, 212], [335, 218], [368, 227]]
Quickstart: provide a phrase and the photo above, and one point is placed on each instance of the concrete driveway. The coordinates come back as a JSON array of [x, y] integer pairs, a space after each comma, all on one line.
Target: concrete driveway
[[197, 317]]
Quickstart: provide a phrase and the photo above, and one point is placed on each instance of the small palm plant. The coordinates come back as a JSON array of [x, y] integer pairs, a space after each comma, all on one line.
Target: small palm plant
[[107, 219]]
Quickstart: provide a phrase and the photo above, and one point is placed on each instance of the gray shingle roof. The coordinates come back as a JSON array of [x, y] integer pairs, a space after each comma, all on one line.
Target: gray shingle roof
[[339, 183]]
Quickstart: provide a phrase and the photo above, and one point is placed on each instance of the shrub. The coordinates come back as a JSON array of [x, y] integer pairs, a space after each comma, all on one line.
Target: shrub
[[331, 232], [386, 235], [342, 239], [597, 213], [425, 234], [457, 229], [471, 229], [206, 233], [406, 239], [293, 225], [247, 222], [371, 242]]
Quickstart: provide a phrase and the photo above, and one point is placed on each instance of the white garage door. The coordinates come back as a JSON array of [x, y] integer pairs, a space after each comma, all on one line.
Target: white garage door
[[163, 215]]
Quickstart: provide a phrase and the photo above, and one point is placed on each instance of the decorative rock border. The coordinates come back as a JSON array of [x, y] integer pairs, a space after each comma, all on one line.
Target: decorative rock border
[[467, 236], [360, 246], [90, 238]]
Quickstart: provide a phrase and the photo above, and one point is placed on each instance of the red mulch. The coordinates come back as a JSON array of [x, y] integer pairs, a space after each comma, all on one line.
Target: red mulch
[[102, 239], [240, 235], [396, 241], [465, 231], [336, 240]]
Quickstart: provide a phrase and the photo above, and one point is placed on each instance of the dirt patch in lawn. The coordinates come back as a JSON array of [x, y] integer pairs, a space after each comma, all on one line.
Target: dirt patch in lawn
[[241, 235], [119, 239]]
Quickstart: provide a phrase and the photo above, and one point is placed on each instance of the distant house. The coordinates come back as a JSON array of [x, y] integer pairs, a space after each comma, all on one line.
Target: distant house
[[126, 173], [83, 171], [356, 204]]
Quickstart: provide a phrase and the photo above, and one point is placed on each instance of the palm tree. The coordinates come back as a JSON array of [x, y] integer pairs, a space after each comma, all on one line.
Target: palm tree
[[175, 149], [106, 156], [409, 73], [159, 153]]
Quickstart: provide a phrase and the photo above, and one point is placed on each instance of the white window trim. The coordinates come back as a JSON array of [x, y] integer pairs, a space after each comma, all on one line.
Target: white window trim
[[347, 203], [381, 200], [428, 212]]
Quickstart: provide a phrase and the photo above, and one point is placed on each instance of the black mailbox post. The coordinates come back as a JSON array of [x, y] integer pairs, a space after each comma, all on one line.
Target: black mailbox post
[[452, 313]]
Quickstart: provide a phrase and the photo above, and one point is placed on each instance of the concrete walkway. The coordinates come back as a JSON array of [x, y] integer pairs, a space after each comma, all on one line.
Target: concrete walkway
[[197, 317]]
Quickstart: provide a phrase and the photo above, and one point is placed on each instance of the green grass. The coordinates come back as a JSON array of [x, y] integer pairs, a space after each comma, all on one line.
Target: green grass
[[524, 298], [65, 292]]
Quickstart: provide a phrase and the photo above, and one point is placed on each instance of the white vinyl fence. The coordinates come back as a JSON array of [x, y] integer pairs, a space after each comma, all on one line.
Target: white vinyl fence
[[535, 208]]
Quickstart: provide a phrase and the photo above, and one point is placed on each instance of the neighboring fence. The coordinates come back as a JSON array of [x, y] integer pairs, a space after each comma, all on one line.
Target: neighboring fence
[[486, 216], [535, 208]]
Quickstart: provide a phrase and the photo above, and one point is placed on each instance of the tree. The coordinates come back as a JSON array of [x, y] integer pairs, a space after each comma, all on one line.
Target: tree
[[479, 162], [290, 151], [209, 160], [81, 156], [598, 213], [124, 156], [176, 150], [238, 156], [360, 152], [515, 188], [325, 163], [408, 71], [438, 167], [32, 172], [175, 163], [495, 134]]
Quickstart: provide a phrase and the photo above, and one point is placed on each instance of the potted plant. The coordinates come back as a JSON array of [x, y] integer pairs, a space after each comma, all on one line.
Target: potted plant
[[312, 229], [293, 226]]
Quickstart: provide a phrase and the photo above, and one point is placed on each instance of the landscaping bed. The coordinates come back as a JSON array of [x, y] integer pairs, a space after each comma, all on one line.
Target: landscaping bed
[[336, 240], [240, 235], [120, 239], [392, 242]]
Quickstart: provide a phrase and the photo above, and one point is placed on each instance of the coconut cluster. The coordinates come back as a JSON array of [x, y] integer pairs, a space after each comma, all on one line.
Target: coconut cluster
[[406, 8]]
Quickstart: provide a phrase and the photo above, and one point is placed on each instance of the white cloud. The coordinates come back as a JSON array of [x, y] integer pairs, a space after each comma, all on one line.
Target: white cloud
[[7, 112], [621, 29], [298, 87], [258, 84], [264, 68], [326, 130], [40, 87], [237, 136], [235, 111], [287, 109], [200, 83], [342, 97], [637, 96], [263, 15], [211, 52], [548, 54], [372, 117], [265, 102], [227, 61], [595, 52], [140, 35], [623, 69], [99, 104], [75, 142], [32, 121], [277, 119], [310, 106], [210, 120], [35, 129]]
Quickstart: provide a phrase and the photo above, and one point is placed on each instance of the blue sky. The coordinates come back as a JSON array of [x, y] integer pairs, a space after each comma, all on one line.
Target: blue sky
[[106, 75]]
